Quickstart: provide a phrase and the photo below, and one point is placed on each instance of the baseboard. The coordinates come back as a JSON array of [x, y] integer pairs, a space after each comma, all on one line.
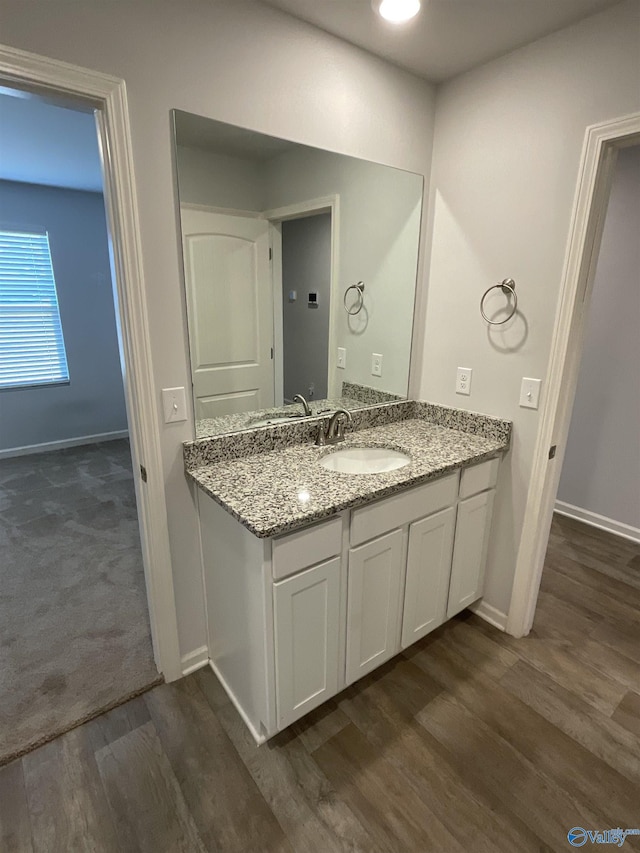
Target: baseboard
[[259, 738], [490, 614], [599, 521], [60, 445], [195, 660]]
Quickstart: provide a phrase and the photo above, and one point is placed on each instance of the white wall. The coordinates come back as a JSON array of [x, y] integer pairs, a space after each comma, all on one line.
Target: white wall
[[219, 180], [379, 231], [242, 63], [601, 468], [507, 150], [92, 402]]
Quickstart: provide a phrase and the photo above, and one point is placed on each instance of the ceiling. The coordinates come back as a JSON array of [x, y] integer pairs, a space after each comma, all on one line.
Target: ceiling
[[45, 144], [448, 36]]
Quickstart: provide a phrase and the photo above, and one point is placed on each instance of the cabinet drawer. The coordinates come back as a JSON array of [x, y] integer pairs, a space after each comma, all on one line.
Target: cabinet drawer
[[403, 508], [306, 547], [478, 478]]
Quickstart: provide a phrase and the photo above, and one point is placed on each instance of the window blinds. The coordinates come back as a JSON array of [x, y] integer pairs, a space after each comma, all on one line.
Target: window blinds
[[31, 342]]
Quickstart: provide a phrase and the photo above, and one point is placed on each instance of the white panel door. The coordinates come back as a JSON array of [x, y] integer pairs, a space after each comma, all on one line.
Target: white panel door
[[373, 601], [230, 308], [428, 573], [306, 612], [470, 551]]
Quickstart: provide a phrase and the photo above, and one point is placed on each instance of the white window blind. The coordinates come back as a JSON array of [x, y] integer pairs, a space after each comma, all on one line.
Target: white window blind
[[31, 342]]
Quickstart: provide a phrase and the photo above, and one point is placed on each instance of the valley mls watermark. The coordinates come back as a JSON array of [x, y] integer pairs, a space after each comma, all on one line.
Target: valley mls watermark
[[578, 836]]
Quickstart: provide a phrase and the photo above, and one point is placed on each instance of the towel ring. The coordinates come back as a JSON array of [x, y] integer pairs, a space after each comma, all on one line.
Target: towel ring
[[509, 287], [356, 308]]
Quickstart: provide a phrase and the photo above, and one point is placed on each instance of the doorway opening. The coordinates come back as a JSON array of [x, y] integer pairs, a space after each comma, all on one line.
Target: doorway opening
[[85, 90], [68, 520], [304, 247], [602, 144], [591, 574]]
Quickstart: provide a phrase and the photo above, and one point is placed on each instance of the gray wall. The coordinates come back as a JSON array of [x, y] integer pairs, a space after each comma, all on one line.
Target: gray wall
[[601, 470], [306, 268], [93, 401], [219, 180]]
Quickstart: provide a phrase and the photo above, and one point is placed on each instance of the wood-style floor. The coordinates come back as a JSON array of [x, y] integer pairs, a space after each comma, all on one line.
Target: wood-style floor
[[470, 741]]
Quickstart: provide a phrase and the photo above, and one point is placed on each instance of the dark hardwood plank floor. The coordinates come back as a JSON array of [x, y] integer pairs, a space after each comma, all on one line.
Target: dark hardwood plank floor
[[469, 741]]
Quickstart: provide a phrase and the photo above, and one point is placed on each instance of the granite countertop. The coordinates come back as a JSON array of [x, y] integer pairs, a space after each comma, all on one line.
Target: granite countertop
[[245, 420], [282, 490]]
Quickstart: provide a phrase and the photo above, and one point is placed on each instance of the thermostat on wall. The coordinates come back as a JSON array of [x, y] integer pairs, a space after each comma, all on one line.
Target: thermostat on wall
[[313, 300]]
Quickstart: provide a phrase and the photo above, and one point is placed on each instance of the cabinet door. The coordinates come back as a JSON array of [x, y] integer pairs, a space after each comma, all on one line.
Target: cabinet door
[[428, 573], [306, 609], [470, 551], [373, 603]]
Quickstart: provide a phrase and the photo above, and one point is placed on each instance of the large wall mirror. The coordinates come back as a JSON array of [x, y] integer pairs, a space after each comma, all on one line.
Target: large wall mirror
[[300, 274]]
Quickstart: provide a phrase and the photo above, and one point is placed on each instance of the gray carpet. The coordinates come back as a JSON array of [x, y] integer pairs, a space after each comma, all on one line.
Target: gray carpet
[[74, 623]]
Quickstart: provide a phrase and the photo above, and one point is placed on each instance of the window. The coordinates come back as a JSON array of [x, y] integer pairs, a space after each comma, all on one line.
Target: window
[[31, 342]]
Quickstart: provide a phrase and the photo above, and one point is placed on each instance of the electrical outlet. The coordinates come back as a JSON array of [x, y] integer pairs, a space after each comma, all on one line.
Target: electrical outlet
[[530, 393], [174, 405], [463, 381], [342, 357], [376, 364]]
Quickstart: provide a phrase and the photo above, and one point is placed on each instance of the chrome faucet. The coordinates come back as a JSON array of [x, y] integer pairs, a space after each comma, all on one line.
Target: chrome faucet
[[300, 399], [331, 430]]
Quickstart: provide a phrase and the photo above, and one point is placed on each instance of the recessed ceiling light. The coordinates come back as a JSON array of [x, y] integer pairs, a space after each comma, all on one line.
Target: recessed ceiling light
[[398, 11]]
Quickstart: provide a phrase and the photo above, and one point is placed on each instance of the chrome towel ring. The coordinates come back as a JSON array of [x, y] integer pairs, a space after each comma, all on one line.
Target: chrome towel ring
[[356, 308], [509, 287]]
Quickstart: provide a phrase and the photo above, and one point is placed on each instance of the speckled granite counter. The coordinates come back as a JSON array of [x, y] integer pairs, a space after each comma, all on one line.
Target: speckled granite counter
[[281, 490], [353, 397]]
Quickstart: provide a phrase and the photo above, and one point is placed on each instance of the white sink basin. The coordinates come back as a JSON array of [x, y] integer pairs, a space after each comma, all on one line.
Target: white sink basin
[[364, 460]]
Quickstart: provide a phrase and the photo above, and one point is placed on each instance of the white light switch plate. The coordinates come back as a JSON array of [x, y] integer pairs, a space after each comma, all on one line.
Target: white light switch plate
[[530, 393], [342, 357], [463, 381], [174, 405], [376, 364]]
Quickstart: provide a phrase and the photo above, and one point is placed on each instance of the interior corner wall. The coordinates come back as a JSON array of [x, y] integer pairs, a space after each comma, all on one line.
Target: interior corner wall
[[92, 403], [507, 152], [240, 62], [601, 468], [219, 180]]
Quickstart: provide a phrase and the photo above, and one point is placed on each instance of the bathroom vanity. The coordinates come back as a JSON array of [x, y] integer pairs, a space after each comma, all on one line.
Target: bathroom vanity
[[313, 578]]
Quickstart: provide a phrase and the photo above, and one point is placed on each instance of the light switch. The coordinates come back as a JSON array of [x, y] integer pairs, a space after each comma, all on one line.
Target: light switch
[[174, 405], [342, 357], [530, 393], [376, 364]]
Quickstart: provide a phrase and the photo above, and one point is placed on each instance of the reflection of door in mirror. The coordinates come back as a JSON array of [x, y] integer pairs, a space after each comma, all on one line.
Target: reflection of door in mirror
[[230, 307], [306, 305]]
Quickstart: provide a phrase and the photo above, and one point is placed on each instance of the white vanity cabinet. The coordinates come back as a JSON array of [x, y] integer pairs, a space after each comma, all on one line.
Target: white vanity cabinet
[[292, 620], [473, 523], [376, 579], [306, 615], [428, 570]]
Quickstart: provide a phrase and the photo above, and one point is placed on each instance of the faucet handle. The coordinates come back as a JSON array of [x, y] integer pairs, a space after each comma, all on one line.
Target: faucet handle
[[340, 419], [323, 431]]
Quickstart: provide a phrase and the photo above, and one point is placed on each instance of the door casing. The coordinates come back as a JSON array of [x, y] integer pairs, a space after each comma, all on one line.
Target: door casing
[[63, 83]]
